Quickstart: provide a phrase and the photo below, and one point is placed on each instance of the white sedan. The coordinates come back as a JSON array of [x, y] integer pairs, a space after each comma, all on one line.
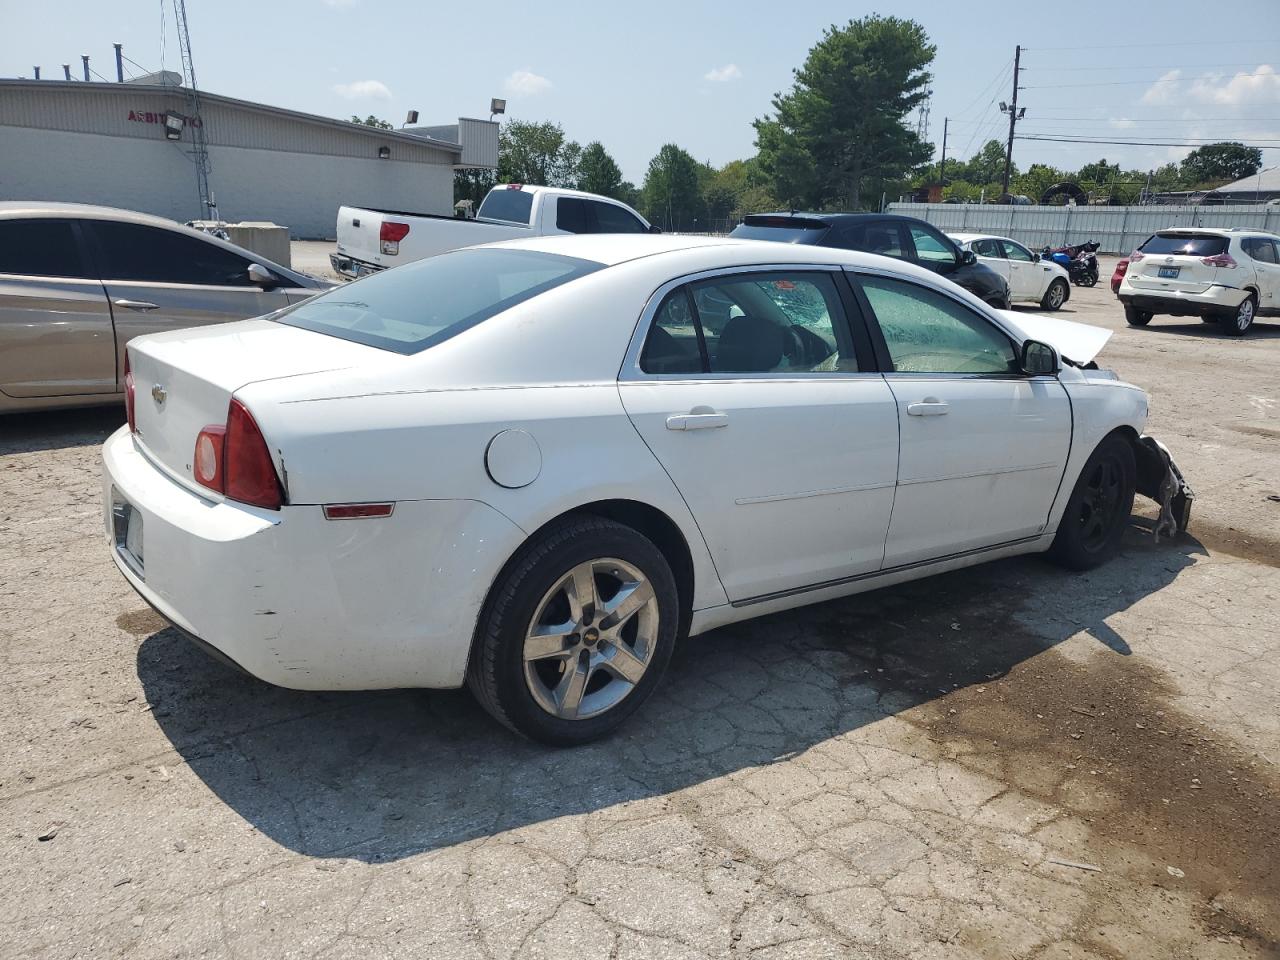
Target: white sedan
[[534, 467], [1030, 277]]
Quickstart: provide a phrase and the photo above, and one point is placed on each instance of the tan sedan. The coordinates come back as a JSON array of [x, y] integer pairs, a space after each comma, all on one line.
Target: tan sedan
[[78, 282]]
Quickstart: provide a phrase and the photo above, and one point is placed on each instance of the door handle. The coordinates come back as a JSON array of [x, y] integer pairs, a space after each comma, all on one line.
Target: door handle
[[928, 407], [136, 304], [699, 418]]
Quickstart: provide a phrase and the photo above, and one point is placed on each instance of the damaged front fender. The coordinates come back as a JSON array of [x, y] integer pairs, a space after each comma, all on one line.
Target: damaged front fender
[[1160, 479]]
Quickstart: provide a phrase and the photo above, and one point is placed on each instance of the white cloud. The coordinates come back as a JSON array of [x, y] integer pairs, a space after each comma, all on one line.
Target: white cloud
[[724, 74], [526, 83], [1247, 87], [1121, 123], [362, 90]]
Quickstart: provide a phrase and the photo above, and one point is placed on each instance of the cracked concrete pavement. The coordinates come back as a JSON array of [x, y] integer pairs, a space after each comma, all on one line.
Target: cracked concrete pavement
[[1009, 761]]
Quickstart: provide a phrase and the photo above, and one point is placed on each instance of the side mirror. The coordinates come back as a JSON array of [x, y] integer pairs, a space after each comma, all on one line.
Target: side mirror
[[1039, 359], [654, 228], [260, 276], [1035, 258], [967, 257]]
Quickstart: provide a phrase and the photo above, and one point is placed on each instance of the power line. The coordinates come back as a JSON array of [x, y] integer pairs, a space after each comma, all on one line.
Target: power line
[[993, 85], [1168, 121], [1253, 65], [1130, 83], [1180, 43], [1143, 143]]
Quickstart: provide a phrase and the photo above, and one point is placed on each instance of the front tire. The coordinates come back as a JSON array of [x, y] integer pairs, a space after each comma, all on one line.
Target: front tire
[[1055, 296], [1089, 279], [1137, 318], [576, 632], [1098, 511], [1238, 324]]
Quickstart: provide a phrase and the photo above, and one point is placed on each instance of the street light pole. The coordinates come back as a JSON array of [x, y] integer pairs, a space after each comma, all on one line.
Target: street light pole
[[1014, 117]]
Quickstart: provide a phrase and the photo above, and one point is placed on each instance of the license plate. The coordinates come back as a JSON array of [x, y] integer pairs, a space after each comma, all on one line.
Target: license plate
[[1169, 273], [127, 524]]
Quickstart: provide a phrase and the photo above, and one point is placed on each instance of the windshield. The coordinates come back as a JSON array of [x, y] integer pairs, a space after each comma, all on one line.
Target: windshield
[[781, 229], [504, 203], [420, 304], [1185, 244]]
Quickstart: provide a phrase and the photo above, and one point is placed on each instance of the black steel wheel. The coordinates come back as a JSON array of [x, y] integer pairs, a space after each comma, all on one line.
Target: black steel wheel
[[1093, 524]]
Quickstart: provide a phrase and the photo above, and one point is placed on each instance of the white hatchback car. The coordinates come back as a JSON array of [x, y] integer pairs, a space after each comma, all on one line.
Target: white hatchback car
[[1222, 276], [532, 467], [1030, 277]]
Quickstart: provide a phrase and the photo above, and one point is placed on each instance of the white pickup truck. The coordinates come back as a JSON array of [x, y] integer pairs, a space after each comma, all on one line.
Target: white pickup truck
[[372, 240]]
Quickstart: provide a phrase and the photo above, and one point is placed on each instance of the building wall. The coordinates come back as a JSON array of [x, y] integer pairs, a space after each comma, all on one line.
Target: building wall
[[301, 191]]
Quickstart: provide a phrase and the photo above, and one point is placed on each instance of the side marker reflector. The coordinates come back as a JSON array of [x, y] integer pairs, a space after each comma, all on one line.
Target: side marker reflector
[[357, 511]]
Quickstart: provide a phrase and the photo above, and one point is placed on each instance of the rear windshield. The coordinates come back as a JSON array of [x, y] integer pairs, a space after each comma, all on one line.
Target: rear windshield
[[782, 229], [503, 203], [1186, 244], [420, 304]]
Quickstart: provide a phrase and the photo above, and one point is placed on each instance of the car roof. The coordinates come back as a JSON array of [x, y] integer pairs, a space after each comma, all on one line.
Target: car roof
[[836, 217], [1220, 232]]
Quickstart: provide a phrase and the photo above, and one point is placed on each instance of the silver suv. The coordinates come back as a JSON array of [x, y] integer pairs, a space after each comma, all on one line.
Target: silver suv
[[1220, 275], [78, 282]]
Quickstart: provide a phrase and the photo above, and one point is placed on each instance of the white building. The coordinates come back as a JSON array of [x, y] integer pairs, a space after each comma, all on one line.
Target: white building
[[106, 143]]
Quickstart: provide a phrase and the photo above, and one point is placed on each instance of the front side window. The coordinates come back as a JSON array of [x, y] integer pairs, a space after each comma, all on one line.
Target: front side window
[[930, 247], [137, 252], [1259, 248], [610, 218], [423, 303], [988, 248], [928, 332], [1015, 251], [783, 323], [40, 248]]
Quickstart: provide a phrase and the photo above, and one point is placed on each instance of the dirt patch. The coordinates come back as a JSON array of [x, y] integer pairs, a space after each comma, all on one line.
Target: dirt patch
[[1252, 431], [1235, 542], [141, 623]]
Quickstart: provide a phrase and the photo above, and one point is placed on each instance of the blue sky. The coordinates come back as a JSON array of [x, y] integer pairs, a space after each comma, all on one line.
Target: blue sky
[[636, 76]]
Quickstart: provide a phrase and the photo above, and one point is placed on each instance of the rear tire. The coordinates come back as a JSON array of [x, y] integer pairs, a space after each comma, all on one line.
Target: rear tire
[[1137, 318], [547, 660], [1238, 323], [1089, 279], [1055, 296], [1098, 511], [1210, 318]]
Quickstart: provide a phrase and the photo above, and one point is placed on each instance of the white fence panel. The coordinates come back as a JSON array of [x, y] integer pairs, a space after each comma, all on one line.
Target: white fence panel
[[1118, 229]]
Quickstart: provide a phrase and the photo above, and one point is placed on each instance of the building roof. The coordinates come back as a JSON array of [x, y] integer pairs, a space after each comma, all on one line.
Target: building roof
[[132, 90], [1264, 181]]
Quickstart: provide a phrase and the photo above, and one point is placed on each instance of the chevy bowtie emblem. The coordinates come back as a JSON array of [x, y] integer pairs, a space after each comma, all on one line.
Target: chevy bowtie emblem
[[158, 394]]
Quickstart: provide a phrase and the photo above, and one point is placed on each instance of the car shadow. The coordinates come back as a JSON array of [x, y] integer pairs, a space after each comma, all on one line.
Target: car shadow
[[1194, 327], [57, 429], [386, 775]]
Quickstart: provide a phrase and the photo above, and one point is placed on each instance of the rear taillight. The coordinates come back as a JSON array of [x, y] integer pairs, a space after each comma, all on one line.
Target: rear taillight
[[1136, 256], [129, 395], [390, 234], [1122, 267], [234, 460], [1221, 260]]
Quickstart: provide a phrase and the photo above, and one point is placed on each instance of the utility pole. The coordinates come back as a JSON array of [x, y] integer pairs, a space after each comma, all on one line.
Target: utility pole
[[84, 57], [1014, 117], [942, 165], [119, 63]]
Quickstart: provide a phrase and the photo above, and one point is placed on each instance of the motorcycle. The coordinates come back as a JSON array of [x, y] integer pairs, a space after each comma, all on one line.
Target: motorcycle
[[1079, 260]]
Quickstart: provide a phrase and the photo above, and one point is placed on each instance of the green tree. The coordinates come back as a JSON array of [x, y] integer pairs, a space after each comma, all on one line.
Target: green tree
[[1219, 163], [1100, 172], [537, 153], [598, 172], [840, 130], [672, 195], [987, 165], [473, 185], [1038, 178], [372, 121]]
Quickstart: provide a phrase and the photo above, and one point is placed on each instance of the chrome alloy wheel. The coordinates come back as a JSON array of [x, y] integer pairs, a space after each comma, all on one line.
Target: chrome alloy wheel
[[1244, 314], [591, 639], [1057, 294]]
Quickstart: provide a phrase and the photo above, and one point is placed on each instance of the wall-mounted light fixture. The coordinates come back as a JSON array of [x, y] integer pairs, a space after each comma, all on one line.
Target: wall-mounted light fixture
[[384, 153], [173, 125]]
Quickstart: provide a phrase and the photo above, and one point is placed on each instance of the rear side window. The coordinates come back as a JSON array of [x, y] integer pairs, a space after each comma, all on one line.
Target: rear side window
[[1260, 248], [134, 251], [423, 303], [501, 203], [927, 332], [1185, 244], [571, 215], [783, 323], [613, 219], [40, 248], [881, 237], [988, 248]]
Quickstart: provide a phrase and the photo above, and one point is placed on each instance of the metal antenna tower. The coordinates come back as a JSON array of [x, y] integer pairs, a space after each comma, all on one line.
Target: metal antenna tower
[[200, 146], [922, 115]]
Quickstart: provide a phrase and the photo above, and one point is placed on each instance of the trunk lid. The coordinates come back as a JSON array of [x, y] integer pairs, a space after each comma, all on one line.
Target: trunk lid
[[184, 380], [358, 234], [1173, 261]]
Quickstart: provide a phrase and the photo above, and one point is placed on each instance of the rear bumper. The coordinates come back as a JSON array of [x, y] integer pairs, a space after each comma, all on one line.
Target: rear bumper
[[350, 267], [301, 601], [1216, 299]]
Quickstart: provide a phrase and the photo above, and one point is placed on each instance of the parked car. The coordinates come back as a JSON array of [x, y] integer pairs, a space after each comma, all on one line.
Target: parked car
[[533, 467], [1122, 266], [904, 238], [78, 282], [1029, 277], [371, 240], [1228, 275]]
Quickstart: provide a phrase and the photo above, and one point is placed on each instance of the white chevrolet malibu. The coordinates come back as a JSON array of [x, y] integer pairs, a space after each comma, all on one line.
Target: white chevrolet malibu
[[535, 467]]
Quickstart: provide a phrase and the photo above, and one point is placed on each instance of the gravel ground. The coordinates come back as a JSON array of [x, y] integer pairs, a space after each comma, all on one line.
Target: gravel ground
[[1009, 761]]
